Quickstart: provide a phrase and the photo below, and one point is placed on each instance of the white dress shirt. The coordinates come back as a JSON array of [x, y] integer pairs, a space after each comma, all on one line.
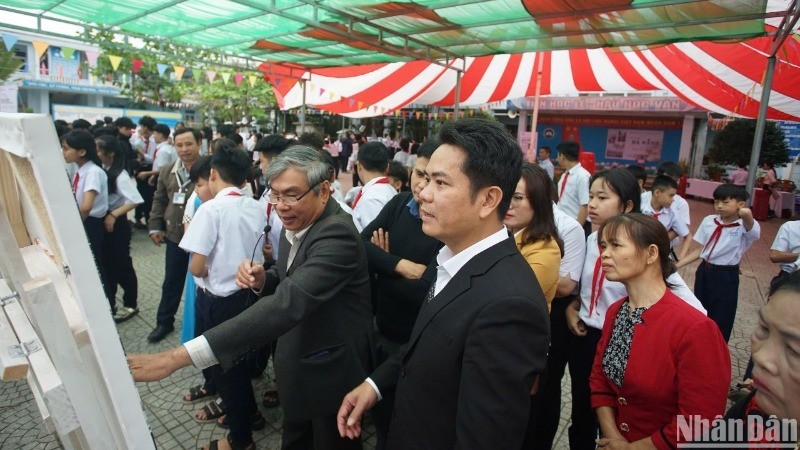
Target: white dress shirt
[[787, 240], [226, 230], [547, 165], [92, 178], [666, 216], [571, 232], [576, 192], [732, 244], [614, 290], [680, 208], [126, 194], [449, 264], [401, 157], [165, 154], [199, 350], [374, 196], [148, 147]]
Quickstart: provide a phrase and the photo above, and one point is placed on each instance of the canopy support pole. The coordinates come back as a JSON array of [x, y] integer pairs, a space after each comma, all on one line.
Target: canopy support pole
[[303, 109], [761, 123], [535, 120], [458, 95]]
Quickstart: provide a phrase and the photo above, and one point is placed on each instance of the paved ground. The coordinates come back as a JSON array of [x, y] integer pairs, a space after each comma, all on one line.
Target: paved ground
[[171, 419]]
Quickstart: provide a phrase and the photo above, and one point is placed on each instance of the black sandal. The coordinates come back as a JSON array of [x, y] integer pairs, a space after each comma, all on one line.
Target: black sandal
[[257, 421], [214, 445], [196, 393], [271, 399], [212, 410]]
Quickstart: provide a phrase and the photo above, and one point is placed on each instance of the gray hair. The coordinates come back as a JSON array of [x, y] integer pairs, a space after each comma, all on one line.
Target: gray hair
[[301, 158]]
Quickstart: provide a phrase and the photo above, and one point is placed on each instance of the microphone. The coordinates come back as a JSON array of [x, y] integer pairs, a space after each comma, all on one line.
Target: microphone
[[267, 228]]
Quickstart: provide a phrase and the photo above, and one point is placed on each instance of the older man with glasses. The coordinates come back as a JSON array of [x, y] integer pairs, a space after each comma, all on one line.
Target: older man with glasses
[[317, 305]]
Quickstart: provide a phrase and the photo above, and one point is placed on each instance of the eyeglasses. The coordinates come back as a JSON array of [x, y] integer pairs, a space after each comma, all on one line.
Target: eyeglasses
[[290, 200], [517, 199]]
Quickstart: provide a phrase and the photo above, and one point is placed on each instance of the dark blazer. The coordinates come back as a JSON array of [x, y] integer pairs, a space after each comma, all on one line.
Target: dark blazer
[[320, 313], [466, 377]]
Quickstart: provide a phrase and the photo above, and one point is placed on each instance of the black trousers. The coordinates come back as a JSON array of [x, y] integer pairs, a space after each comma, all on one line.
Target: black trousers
[[718, 291], [336, 165], [118, 265], [234, 384], [146, 191], [200, 327], [343, 161], [318, 433], [176, 263], [96, 234], [546, 404], [382, 412], [584, 428]]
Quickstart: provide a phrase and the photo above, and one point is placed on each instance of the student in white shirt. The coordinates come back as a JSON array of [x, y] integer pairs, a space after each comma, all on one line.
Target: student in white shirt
[[143, 141], [90, 188], [164, 154], [543, 158], [724, 238], [402, 155], [658, 202], [222, 233], [680, 207], [372, 166], [573, 186], [122, 198], [785, 250]]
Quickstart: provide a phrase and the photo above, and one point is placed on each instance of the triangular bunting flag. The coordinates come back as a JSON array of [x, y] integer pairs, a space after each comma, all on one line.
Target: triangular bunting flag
[[211, 74], [67, 52], [313, 87], [9, 40], [137, 65], [40, 47], [225, 77], [91, 57], [161, 69], [321, 91], [352, 100], [331, 95], [197, 73], [277, 81], [114, 60], [360, 105], [252, 79], [179, 72], [238, 78], [418, 113]]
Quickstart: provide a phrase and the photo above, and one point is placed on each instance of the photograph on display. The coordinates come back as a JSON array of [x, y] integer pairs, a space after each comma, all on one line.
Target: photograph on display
[[634, 144]]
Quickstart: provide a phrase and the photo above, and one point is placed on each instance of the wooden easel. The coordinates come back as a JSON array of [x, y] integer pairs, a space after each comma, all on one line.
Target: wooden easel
[[55, 315]]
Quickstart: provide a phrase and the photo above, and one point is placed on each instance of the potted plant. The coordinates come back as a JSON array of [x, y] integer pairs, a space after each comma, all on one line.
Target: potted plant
[[715, 172]]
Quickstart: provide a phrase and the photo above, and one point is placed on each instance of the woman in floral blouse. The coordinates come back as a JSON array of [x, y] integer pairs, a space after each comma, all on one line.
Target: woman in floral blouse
[[659, 359]]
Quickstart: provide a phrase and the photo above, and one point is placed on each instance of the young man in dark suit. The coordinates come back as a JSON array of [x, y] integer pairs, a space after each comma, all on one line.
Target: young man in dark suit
[[465, 377], [317, 306]]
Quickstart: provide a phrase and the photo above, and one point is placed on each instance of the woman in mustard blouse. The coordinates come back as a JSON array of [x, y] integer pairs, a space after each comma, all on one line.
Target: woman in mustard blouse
[[530, 218]]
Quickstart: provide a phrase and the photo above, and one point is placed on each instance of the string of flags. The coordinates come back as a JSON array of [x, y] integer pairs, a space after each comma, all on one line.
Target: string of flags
[[40, 47]]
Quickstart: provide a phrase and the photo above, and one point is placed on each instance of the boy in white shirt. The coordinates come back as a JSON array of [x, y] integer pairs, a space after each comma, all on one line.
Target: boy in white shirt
[[372, 166], [164, 154], [573, 186], [224, 232], [785, 250], [658, 202], [725, 237]]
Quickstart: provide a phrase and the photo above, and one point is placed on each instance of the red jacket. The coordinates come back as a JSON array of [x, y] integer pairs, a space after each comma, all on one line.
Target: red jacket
[[678, 364]]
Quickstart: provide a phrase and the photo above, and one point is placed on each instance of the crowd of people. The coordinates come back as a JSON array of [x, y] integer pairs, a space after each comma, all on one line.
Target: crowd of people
[[446, 293]]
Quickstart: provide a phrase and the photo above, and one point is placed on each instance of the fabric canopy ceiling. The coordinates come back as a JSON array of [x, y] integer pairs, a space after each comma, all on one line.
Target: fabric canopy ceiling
[[324, 33], [719, 77]]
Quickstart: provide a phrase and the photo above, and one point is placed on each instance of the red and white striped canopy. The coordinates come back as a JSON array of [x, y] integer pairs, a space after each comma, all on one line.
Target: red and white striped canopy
[[719, 77]]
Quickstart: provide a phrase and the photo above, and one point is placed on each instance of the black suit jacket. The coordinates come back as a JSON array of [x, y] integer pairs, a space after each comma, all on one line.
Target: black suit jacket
[[466, 376], [320, 313]]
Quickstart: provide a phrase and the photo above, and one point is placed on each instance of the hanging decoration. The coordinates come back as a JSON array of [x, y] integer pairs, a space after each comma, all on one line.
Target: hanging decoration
[[252, 79], [91, 57], [179, 72], [197, 73], [40, 47], [225, 77], [137, 65], [9, 40], [114, 60], [67, 52], [238, 78], [161, 69], [211, 74]]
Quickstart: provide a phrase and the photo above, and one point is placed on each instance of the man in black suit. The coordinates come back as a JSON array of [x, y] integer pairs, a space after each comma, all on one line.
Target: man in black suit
[[317, 304], [481, 337]]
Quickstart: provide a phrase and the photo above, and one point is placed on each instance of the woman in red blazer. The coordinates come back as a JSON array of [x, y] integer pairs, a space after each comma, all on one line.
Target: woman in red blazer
[[658, 357]]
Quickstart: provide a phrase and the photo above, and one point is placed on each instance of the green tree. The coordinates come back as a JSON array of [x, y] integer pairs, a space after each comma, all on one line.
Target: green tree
[[734, 144], [8, 63]]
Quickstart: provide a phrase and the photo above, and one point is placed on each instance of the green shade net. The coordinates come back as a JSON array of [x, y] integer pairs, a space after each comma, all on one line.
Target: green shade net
[[297, 32]]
